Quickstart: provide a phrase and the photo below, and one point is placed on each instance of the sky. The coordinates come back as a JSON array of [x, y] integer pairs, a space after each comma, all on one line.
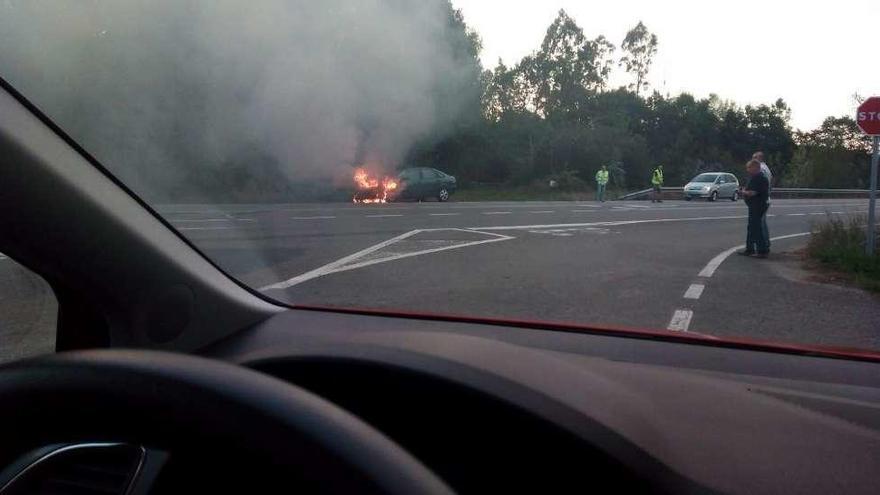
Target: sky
[[814, 55]]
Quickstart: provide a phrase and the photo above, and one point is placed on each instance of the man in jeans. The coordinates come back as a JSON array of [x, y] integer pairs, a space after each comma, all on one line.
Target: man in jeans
[[759, 155], [601, 182], [756, 194]]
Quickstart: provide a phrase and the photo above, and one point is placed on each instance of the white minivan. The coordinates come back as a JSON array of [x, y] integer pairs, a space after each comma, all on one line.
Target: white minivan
[[712, 186]]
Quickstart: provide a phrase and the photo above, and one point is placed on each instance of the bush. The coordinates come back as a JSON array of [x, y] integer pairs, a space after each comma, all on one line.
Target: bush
[[841, 244]]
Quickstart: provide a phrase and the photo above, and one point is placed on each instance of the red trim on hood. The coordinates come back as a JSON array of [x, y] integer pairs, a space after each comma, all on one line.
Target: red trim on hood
[[622, 331]]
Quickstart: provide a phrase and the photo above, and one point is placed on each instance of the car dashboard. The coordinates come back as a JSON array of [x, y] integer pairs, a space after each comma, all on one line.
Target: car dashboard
[[494, 407]]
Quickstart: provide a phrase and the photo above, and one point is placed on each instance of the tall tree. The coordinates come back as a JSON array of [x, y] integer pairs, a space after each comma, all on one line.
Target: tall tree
[[639, 47], [568, 67], [507, 91]]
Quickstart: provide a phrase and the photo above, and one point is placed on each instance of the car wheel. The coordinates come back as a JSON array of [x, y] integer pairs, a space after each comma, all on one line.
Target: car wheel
[[688, 198], [714, 196], [735, 196], [443, 195]]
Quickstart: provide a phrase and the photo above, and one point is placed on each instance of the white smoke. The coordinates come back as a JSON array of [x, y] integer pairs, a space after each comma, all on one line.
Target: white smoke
[[166, 93]]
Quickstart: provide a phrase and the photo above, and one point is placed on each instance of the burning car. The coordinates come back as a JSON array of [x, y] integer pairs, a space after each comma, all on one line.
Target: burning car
[[371, 189], [414, 184]]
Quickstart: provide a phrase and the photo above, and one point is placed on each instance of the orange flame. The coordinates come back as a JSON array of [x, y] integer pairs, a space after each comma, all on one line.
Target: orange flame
[[371, 190]]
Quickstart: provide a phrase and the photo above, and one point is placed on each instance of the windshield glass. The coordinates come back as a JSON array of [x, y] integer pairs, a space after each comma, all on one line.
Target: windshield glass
[[297, 144], [705, 178]]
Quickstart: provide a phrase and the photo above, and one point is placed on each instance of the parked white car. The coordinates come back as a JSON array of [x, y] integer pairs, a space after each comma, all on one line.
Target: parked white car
[[712, 186]]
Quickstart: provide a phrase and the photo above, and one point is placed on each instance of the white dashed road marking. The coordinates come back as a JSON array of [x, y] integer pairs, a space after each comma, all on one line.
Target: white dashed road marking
[[611, 223], [207, 228], [196, 220], [681, 320], [496, 213], [443, 214], [383, 216], [796, 215], [694, 291]]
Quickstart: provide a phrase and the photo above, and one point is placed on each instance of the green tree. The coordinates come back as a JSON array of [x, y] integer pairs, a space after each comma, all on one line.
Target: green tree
[[639, 47], [568, 68], [507, 91], [837, 154]]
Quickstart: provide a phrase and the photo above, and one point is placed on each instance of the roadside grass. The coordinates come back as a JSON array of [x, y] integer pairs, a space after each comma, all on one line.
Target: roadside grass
[[840, 244]]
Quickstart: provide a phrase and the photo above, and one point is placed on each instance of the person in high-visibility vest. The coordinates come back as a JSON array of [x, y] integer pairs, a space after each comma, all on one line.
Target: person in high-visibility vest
[[657, 183], [601, 182]]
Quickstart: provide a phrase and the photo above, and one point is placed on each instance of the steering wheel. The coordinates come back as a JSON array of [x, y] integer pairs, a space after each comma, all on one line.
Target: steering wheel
[[197, 409]]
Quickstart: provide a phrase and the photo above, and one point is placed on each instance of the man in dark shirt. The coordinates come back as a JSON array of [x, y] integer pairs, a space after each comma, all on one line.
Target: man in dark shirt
[[756, 195]]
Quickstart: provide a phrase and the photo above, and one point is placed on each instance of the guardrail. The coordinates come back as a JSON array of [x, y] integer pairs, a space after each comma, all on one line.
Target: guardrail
[[777, 192]]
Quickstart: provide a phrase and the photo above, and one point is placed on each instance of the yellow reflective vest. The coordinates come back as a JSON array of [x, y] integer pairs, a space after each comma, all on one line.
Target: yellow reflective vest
[[602, 177], [657, 178]]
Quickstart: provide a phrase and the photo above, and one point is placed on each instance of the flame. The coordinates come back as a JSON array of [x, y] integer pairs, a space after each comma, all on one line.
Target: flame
[[370, 189], [389, 184]]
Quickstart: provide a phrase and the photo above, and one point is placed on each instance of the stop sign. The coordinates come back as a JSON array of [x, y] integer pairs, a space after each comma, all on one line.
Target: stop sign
[[868, 116]]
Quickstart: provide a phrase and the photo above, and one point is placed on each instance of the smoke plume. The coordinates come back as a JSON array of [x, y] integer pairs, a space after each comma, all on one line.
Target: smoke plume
[[222, 99]]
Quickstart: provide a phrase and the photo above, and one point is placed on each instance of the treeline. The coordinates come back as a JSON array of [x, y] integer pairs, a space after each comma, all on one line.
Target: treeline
[[554, 116]]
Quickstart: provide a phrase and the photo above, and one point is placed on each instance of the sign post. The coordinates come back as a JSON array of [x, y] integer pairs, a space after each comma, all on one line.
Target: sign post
[[868, 119]]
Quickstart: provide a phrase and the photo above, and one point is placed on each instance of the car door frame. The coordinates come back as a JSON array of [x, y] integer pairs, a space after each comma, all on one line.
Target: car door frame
[[414, 188]]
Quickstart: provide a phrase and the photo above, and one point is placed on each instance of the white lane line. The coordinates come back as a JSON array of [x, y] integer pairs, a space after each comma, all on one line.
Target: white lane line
[[837, 212], [497, 213], [694, 291], [383, 216], [317, 272], [322, 217], [609, 223], [681, 320], [207, 228], [195, 220], [823, 213], [443, 214], [542, 211], [796, 215], [342, 264], [715, 262]]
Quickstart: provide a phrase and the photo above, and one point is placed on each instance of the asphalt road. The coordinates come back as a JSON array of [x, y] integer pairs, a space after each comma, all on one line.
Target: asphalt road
[[623, 264]]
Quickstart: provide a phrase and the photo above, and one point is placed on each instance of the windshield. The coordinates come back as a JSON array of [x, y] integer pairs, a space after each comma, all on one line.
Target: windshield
[[473, 158], [705, 178]]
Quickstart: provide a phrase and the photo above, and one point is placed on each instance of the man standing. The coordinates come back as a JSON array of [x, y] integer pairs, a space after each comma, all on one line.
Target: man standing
[[759, 156], [601, 182], [657, 184], [755, 194]]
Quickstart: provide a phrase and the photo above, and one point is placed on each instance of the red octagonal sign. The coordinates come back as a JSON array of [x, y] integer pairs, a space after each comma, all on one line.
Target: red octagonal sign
[[868, 116]]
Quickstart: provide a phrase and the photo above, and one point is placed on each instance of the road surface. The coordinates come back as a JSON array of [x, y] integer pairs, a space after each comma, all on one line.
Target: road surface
[[622, 264]]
